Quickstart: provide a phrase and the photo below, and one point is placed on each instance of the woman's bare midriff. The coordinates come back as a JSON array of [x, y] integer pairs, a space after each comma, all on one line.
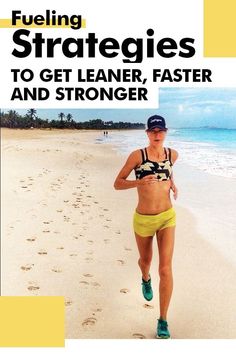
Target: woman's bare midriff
[[154, 198]]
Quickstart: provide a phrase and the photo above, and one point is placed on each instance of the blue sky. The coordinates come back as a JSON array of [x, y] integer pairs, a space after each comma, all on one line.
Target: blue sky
[[182, 107]]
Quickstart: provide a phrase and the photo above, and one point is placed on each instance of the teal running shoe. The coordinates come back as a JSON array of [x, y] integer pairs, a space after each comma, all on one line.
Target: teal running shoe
[[162, 329], [147, 289]]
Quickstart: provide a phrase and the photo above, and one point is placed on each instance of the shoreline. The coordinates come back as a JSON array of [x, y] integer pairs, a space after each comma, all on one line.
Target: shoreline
[[73, 240]]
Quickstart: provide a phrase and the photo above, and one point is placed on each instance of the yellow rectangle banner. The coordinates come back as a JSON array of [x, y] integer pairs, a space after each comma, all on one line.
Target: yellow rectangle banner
[[32, 321], [220, 28]]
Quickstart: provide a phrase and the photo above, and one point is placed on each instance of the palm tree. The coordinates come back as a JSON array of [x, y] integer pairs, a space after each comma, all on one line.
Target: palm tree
[[61, 116], [32, 114], [69, 117], [12, 117]]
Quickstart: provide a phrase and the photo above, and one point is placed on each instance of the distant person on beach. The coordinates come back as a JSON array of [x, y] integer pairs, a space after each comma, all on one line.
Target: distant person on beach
[[154, 214]]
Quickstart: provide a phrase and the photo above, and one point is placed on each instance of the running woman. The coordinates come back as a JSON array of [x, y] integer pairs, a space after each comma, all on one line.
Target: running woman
[[154, 214]]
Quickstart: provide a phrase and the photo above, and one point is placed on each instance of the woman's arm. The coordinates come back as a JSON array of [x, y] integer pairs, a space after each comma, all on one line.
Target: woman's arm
[[175, 155], [173, 187], [121, 181]]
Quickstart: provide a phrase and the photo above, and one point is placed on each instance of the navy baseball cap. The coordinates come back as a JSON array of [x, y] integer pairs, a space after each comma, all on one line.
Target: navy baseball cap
[[156, 122]]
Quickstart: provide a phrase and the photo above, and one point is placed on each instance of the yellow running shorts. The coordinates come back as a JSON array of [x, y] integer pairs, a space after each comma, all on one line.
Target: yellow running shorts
[[147, 225]]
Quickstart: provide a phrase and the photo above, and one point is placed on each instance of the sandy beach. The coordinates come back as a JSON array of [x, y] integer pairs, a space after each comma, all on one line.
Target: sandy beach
[[66, 231]]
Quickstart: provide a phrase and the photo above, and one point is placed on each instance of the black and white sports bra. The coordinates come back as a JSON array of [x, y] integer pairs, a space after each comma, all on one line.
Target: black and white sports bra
[[162, 169]]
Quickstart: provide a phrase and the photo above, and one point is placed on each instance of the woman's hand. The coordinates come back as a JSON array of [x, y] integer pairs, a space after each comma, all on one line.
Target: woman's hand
[[150, 179], [175, 190]]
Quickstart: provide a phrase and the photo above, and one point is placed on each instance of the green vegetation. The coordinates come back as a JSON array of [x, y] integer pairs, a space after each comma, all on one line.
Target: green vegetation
[[12, 119]]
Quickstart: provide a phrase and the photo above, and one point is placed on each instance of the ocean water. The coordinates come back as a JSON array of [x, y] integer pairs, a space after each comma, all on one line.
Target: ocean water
[[211, 150]]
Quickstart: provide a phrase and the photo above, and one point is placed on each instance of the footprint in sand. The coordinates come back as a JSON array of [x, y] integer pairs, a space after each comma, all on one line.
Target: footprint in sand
[[76, 206], [89, 252], [56, 270], [60, 248], [31, 239], [118, 232], [88, 275], [138, 336], [42, 252], [46, 222], [90, 321], [68, 302], [107, 240], [27, 267], [75, 237], [59, 210], [33, 286], [128, 249], [147, 306], [73, 255], [95, 284], [106, 226], [120, 261], [84, 282], [46, 231], [88, 259], [124, 291], [90, 241]]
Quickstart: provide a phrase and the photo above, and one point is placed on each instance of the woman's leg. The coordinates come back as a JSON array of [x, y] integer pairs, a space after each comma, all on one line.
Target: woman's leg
[[165, 241], [145, 251]]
